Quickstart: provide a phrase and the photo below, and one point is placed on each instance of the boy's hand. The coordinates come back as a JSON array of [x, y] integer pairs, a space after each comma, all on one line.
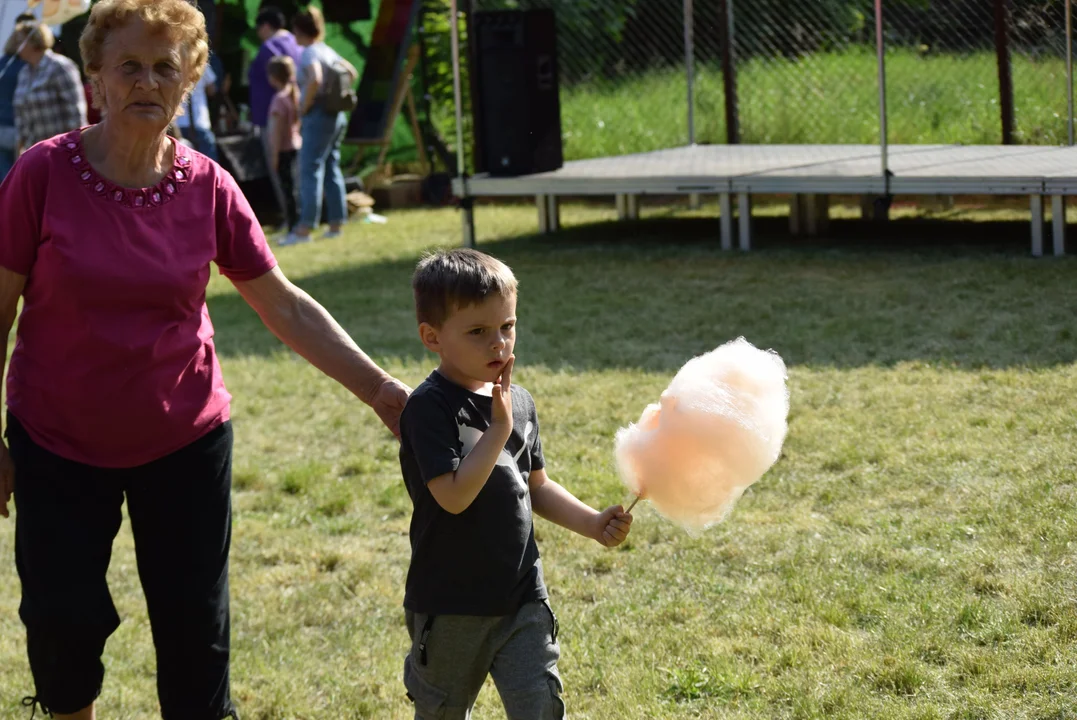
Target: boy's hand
[[502, 406], [612, 526]]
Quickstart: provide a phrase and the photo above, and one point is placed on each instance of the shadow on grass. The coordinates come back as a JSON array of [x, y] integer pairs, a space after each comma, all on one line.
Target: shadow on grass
[[651, 294]]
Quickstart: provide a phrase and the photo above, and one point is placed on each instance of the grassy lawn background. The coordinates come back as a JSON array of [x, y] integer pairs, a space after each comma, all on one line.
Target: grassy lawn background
[[910, 556], [821, 98]]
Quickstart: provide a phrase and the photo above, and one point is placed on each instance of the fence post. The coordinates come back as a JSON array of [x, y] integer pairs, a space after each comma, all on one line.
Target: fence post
[[458, 101], [1069, 70], [689, 68], [729, 71], [882, 206], [1005, 72]]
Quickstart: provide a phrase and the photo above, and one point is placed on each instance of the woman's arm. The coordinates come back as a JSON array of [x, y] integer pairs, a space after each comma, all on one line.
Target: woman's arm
[[11, 286], [314, 82], [351, 68], [306, 327]]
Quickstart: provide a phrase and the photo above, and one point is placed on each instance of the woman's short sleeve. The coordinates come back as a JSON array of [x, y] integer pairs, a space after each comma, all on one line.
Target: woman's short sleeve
[[22, 205], [242, 251]]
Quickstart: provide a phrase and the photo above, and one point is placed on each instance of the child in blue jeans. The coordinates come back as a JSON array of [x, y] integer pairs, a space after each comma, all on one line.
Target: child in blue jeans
[[475, 601]]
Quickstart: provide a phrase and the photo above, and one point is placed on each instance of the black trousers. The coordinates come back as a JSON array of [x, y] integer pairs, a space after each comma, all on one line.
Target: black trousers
[[286, 174], [67, 516]]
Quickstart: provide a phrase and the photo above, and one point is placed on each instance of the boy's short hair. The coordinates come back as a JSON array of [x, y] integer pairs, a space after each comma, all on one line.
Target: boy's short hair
[[454, 279]]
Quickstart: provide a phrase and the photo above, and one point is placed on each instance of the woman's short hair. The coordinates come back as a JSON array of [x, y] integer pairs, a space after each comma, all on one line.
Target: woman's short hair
[[184, 23], [36, 35], [310, 22]]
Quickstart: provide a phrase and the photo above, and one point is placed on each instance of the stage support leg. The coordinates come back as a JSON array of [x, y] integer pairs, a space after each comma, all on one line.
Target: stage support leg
[[809, 214], [796, 215], [543, 213], [817, 219], [553, 214], [1058, 224], [627, 207], [867, 207], [725, 208], [744, 208], [1036, 205], [695, 201]]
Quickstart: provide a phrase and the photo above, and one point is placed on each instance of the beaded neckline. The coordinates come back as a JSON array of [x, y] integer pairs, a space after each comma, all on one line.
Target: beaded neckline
[[138, 198]]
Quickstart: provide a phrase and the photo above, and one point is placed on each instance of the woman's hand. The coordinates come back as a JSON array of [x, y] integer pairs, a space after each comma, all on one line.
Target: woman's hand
[[7, 479], [389, 401]]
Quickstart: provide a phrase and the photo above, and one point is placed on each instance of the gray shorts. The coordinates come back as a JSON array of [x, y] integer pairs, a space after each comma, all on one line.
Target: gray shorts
[[451, 655]]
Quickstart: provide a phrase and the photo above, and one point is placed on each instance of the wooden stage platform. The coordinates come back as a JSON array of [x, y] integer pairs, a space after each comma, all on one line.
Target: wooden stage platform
[[806, 172]]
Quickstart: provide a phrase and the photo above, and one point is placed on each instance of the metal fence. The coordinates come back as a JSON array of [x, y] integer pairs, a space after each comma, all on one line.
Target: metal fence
[[638, 75]]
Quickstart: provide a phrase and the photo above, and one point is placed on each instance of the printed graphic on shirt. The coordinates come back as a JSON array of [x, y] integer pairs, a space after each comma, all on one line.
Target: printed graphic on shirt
[[470, 436]]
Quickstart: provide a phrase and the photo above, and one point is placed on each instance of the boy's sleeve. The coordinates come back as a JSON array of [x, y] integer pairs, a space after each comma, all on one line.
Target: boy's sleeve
[[538, 461], [428, 427]]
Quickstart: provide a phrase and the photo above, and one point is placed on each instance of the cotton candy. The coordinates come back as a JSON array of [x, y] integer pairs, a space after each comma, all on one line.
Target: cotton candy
[[717, 429]]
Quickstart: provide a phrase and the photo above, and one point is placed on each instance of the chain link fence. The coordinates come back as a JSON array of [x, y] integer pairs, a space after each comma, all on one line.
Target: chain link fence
[[621, 70], [787, 71]]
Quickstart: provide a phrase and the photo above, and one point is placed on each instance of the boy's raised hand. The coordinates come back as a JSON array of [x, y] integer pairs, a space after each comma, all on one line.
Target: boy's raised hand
[[612, 526], [502, 406]]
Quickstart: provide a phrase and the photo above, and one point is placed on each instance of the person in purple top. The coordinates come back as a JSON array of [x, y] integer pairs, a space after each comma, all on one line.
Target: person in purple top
[[276, 40]]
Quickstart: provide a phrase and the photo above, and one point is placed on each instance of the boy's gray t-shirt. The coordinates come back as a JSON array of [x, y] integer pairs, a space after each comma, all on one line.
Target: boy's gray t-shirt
[[483, 561]]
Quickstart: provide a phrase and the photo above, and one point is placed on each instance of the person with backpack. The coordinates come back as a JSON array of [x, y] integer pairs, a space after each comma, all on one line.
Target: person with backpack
[[327, 96]]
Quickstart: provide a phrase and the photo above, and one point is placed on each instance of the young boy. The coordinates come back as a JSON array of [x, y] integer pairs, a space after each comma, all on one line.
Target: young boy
[[475, 602]]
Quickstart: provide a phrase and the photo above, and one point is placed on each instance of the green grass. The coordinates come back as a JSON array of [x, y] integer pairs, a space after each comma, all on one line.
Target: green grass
[[822, 98], [911, 556]]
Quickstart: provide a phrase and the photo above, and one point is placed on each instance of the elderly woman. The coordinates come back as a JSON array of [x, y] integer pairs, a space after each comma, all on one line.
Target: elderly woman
[[49, 97], [322, 132], [114, 389]]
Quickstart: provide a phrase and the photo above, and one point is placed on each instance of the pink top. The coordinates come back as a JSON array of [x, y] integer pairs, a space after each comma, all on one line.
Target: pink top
[[287, 116], [114, 364]]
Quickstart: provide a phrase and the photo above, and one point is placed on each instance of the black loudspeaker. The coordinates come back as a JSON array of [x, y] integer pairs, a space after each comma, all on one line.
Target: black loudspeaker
[[515, 104], [346, 11]]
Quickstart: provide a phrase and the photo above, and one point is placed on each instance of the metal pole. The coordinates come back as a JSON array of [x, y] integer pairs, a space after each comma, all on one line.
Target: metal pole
[[689, 58], [1069, 67], [729, 70], [882, 205], [880, 47], [1005, 70], [461, 171]]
